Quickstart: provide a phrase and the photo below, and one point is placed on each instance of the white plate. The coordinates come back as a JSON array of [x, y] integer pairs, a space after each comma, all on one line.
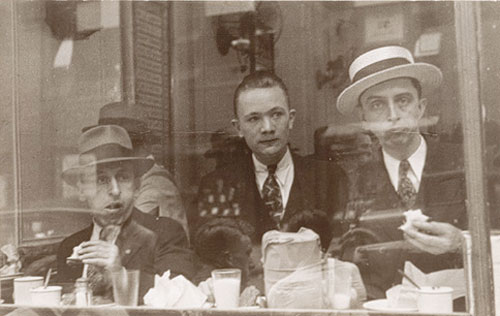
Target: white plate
[[382, 305]]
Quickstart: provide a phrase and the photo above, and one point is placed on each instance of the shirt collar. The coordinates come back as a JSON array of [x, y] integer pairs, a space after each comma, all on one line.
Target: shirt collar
[[285, 161], [416, 160]]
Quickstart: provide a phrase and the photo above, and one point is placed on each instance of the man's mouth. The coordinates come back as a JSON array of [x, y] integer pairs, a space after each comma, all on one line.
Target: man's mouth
[[114, 206], [269, 141]]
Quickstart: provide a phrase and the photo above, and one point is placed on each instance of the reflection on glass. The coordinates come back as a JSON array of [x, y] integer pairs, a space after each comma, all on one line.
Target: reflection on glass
[[221, 144]]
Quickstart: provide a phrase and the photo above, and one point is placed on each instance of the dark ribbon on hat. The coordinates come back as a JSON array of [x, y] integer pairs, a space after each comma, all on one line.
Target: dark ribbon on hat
[[379, 66], [133, 126], [106, 151]]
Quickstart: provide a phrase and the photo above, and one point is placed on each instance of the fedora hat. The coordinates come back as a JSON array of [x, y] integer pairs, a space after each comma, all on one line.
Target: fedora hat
[[382, 64], [104, 144], [129, 116]]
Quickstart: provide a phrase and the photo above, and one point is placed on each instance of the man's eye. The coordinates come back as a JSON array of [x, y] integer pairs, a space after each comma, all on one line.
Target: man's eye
[[252, 119], [403, 101], [124, 177], [277, 115], [102, 180], [376, 105]]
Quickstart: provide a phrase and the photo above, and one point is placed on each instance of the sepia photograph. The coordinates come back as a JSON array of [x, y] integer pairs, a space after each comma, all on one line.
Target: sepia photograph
[[204, 158]]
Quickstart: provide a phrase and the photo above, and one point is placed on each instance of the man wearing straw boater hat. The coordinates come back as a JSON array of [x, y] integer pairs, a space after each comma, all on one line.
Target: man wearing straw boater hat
[[413, 171], [157, 194], [120, 237]]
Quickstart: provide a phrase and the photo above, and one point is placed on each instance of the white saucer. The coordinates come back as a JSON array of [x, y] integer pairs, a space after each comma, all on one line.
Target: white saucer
[[382, 305]]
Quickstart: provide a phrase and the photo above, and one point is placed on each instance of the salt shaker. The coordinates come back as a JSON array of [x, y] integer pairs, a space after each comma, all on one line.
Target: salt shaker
[[83, 294]]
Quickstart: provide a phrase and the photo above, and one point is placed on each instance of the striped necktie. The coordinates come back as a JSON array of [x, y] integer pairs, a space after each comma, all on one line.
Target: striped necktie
[[271, 195], [406, 190]]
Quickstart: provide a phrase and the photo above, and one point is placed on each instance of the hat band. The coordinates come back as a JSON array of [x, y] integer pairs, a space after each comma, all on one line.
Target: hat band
[[379, 66], [103, 152], [130, 124]]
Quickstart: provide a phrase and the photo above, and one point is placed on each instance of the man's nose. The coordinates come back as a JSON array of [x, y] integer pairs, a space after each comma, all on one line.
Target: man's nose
[[115, 187], [267, 125], [393, 112]]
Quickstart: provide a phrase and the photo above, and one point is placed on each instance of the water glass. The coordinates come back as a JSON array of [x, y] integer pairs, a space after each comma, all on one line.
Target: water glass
[[126, 287]]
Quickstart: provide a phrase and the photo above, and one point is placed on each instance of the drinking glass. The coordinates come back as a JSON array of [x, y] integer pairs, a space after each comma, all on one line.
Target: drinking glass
[[226, 287]]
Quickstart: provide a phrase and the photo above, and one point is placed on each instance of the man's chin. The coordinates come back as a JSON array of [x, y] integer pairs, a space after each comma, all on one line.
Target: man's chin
[[270, 154], [111, 217]]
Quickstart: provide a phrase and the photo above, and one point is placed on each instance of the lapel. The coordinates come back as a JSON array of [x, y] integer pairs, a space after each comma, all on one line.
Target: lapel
[[251, 201], [384, 184], [295, 201], [129, 241]]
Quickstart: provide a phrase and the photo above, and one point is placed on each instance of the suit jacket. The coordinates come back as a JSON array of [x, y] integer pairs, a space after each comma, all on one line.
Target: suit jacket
[[441, 196], [316, 185], [150, 244]]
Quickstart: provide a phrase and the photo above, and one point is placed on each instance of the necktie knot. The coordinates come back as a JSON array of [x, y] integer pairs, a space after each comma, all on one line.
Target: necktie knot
[[272, 169], [404, 167]]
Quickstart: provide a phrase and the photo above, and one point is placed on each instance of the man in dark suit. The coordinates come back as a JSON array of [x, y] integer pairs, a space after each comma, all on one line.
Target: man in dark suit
[[409, 171], [121, 237], [271, 184]]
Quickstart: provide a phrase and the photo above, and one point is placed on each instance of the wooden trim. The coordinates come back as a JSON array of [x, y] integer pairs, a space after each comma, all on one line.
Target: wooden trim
[[16, 133], [127, 48], [467, 22]]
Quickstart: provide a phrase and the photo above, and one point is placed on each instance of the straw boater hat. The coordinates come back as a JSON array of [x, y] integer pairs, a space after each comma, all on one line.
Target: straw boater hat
[[129, 116], [104, 144], [382, 64]]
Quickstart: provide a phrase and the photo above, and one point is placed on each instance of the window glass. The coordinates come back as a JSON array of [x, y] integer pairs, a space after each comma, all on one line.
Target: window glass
[[114, 110]]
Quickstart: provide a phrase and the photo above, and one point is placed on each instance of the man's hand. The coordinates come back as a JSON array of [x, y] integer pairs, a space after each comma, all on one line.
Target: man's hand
[[434, 237], [101, 253]]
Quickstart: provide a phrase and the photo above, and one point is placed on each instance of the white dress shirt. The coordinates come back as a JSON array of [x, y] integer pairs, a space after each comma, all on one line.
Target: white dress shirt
[[416, 160], [284, 175]]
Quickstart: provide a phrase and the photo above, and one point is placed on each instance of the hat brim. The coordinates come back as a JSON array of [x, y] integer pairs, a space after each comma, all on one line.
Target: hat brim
[[429, 77], [141, 166]]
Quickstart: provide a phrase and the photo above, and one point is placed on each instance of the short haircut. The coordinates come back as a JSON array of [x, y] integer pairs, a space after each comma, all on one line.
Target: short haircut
[[215, 235], [256, 80], [315, 220]]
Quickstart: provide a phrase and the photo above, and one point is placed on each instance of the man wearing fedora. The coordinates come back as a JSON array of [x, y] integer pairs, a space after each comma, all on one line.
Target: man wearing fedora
[[120, 237], [411, 170], [157, 194]]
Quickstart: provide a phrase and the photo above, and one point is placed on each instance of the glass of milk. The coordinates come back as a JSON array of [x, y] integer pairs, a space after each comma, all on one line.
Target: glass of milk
[[226, 287], [340, 280]]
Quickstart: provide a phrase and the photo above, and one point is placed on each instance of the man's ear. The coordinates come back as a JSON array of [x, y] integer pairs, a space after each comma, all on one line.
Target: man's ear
[[291, 118], [236, 125], [422, 105]]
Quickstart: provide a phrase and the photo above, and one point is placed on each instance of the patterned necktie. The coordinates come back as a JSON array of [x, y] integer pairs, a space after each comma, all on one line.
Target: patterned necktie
[[406, 190], [271, 195]]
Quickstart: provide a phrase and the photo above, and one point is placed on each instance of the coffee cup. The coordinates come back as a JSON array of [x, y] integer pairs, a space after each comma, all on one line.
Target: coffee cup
[[46, 296], [22, 286], [435, 299]]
